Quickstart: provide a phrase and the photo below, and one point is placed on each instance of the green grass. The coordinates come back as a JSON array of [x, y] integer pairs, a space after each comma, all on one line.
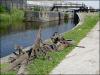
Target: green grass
[[9, 73], [39, 66], [6, 73], [3, 65], [15, 15]]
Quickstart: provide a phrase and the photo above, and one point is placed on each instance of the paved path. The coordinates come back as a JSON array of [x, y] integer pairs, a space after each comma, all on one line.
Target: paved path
[[82, 60]]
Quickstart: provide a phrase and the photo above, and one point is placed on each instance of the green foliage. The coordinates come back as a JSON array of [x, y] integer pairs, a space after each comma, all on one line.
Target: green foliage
[[39, 66], [15, 15], [2, 9], [5, 17]]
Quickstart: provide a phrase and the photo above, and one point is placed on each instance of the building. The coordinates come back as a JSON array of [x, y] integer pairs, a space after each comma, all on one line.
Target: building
[[9, 4]]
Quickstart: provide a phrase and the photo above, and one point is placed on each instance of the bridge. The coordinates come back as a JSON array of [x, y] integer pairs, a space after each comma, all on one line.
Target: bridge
[[65, 7], [52, 15]]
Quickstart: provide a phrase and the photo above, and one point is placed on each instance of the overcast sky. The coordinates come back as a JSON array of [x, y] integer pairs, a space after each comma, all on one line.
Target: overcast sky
[[93, 3]]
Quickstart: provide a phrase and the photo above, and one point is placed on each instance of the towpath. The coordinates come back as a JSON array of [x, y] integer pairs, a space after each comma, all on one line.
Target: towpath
[[82, 60]]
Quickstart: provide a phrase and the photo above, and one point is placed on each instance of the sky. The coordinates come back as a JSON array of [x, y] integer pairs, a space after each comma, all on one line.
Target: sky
[[93, 3]]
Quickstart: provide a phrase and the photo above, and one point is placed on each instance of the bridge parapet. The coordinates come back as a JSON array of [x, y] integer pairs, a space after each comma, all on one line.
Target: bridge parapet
[[69, 6]]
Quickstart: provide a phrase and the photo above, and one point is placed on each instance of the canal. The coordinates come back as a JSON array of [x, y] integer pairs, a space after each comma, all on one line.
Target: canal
[[24, 34]]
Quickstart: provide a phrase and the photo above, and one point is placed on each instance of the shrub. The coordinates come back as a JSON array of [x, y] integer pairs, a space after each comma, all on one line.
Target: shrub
[[2, 9], [15, 15]]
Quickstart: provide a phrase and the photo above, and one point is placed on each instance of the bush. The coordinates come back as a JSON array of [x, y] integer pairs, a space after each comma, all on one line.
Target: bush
[[2, 9], [15, 15], [5, 17]]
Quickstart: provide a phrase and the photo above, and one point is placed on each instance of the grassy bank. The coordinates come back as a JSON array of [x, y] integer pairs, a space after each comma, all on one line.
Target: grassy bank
[[39, 66], [15, 15], [7, 73]]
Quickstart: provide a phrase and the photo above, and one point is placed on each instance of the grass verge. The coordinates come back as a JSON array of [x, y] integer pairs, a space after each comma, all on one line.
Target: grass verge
[[15, 15], [6, 73], [39, 66]]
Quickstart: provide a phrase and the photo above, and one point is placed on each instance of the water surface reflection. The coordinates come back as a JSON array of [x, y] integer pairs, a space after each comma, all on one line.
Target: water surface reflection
[[24, 34]]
